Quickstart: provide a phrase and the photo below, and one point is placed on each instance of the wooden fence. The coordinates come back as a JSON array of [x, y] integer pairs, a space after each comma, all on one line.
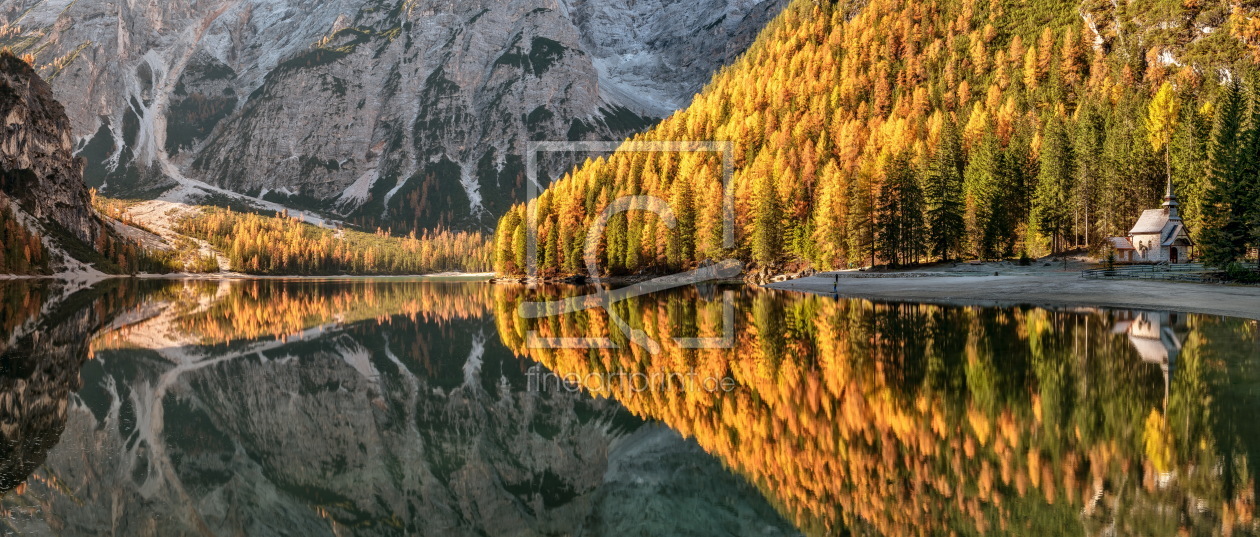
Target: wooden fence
[[1190, 272]]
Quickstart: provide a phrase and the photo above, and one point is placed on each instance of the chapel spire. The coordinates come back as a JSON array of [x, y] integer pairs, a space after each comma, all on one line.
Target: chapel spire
[[1170, 201]]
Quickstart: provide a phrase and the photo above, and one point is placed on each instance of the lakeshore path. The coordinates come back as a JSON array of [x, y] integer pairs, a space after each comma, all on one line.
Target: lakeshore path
[[1039, 288]]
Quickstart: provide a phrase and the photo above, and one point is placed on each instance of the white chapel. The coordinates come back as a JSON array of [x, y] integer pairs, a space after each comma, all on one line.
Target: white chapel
[[1159, 236]]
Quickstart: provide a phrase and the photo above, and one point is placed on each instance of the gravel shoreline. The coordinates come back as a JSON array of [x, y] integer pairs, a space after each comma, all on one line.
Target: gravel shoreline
[[1041, 289]]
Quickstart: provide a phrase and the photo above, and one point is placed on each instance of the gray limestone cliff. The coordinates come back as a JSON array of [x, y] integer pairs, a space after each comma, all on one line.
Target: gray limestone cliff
[[38, 169], [397, 112]]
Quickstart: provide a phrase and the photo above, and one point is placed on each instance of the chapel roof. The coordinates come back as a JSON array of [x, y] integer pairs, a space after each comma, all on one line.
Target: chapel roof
[[1178, 232], [1121, 243], [1152, 221]]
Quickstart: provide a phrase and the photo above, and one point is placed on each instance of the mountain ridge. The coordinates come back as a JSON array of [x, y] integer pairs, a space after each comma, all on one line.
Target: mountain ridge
[[41, 182], [408, 114]]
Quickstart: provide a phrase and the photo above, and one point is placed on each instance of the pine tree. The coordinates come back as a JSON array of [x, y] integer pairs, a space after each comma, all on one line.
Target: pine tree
[[829, 219], [899, 217], [634, 237], [1088, 144], [861, 221], [1224, 234], [682, 238], [549, 248], [1247, 198], [615, 251], [711, 227], [1051, 204], [519, 247], [505, 234], [767, 231], [985, 185], [943, 195]]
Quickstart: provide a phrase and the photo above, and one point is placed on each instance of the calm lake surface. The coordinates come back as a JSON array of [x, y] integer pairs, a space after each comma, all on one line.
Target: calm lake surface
[[392, 407]]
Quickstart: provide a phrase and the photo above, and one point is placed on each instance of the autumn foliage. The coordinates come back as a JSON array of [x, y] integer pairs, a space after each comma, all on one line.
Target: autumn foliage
[[912, 419], [280, 244], [22, 251], [221, 314], [894, 131]]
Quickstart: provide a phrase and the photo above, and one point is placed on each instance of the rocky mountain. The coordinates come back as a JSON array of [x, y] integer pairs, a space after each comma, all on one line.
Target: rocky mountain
[[409, 113], [41, 181]]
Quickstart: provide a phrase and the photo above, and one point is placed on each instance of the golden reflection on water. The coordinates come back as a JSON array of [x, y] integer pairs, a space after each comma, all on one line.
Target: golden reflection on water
[[912, 419], [902, 419], [210, 313]]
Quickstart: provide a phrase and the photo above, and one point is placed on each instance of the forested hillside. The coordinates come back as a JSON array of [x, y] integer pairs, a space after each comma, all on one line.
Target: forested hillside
[[897, 131], [283, 245]]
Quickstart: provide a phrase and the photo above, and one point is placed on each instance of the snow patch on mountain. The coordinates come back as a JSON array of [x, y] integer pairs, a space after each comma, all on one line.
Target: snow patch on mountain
[[472, 189], [359, 191]]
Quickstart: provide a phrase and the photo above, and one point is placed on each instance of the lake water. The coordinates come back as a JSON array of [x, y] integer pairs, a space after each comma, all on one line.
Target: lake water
[[271, 407]]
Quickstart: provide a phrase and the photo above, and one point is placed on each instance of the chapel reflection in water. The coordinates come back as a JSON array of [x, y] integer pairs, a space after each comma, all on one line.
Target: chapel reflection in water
[[915, 419], [900, 419]]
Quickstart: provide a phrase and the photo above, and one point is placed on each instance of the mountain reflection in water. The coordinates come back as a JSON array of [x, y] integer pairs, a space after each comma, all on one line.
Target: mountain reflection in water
[[405, 407], [321, 408]]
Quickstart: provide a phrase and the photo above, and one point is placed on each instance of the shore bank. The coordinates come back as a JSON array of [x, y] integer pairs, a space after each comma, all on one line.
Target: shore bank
[[99, 277], [1059, 289]]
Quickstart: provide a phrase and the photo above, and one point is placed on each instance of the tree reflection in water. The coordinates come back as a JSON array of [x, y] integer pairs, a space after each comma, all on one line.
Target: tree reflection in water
[[918, 419], [320, 408], [387, 407]]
